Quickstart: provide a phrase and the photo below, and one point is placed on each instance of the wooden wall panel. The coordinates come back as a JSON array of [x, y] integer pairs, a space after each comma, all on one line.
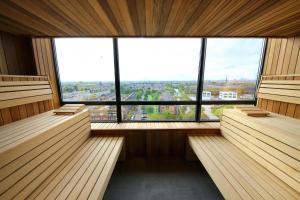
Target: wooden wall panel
[[16, 55], [280, 18], [282, 58], [43, 55]]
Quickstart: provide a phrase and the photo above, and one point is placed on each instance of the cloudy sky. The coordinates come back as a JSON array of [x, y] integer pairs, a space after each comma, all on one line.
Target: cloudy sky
[[91, 59]]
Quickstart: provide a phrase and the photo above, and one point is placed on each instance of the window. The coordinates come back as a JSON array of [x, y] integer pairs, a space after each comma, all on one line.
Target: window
[[231, 69], [158, 79], [86, 69], [159, 69], [102, 113]]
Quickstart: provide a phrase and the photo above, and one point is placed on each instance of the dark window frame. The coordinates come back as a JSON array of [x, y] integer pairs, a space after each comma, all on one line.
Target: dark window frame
[[197, 103]]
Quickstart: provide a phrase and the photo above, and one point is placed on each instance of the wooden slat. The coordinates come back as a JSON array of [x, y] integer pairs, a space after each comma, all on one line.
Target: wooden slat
[[280, 174], [286, 99], [266, 141], [220, 179], [94, 161], [153, 18], [23, 94], [39, 146], [21, 83], [292, 152], [293, 87], [16, 94], [279, 127], [27, 100], [281, 92], [14, 165], [15, 149], [23, 88], [239, 170]]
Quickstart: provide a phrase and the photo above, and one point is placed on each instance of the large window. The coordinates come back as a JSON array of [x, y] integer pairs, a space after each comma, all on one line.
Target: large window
[[158, 79], [231, 71], [86, 72], [159, 69]]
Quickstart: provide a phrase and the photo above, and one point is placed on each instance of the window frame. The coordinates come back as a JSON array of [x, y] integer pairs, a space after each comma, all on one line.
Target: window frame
[[197, 103]]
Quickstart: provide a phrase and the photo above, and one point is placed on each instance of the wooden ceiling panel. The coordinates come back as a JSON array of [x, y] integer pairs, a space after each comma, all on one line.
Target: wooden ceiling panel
[[224, 18]]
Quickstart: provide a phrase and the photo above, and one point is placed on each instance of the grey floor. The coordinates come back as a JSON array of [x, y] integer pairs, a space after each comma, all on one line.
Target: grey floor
[[160, 179]]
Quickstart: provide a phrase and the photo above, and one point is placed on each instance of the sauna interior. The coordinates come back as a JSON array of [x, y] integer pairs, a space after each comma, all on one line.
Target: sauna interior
[[150, 99]]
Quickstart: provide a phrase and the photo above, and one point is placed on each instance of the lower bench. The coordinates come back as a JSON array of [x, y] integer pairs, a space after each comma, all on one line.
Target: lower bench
[[53, 156], [85, 174], [237, 175]]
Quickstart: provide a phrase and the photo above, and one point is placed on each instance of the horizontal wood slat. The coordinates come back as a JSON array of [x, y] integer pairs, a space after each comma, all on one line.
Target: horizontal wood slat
[[286, 99], [23, 94], [23, 90], [280, 90], [21, 83], [84, 175]]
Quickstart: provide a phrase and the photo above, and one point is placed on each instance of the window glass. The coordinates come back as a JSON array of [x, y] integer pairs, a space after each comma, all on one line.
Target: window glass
[[214, 112], [102, 113], [159, 69], [86, 69], [231, 69], [158, 112]]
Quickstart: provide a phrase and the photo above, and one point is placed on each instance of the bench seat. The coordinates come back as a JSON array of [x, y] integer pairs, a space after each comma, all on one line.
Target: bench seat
[[237, 175], [85, 174], [50, 155]]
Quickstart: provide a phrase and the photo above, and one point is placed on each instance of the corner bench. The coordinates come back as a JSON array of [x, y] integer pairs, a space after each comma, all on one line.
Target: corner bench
[[50, 156], [255, 158]]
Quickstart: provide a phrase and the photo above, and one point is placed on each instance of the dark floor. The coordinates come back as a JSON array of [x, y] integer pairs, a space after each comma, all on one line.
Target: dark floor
[[159, 180]]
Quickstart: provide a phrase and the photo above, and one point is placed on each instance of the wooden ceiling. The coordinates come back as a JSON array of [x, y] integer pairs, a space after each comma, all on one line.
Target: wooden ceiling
[[243, 18]]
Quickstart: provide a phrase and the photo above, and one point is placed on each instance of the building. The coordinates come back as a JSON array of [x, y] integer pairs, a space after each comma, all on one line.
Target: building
[[228, 95], [206, 95]]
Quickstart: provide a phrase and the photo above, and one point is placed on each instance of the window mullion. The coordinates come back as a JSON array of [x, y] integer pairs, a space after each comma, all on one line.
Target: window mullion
[[117, 79], [200, 79]]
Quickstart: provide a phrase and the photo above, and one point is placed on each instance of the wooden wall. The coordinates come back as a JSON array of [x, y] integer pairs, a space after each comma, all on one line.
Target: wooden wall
[[43, 56], [282, 58], [16, 58], [16, 55]]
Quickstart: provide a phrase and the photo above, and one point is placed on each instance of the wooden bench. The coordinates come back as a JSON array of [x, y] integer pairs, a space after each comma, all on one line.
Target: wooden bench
[[49, 156], [255, 158]]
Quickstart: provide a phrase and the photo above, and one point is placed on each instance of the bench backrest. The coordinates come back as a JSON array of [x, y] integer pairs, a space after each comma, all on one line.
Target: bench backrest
[[18, 92], [274, 142], [279, 90], [19, 96]]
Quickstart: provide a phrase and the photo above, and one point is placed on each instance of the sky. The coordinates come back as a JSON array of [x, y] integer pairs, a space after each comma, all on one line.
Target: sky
[[157, 59]]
